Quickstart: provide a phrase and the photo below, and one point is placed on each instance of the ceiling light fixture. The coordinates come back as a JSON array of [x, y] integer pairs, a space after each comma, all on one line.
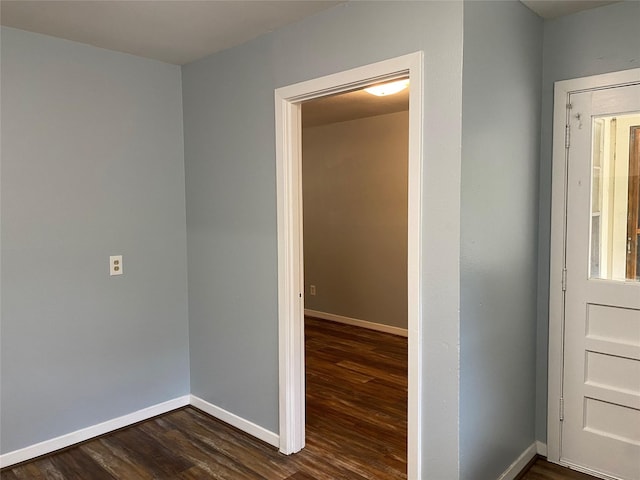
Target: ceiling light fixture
[[388, 88]]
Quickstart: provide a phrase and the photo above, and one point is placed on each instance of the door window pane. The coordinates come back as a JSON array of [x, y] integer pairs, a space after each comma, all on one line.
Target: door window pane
[[615, 198]]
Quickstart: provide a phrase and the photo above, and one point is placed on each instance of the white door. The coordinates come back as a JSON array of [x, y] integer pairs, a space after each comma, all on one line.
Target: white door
[[600, 427]]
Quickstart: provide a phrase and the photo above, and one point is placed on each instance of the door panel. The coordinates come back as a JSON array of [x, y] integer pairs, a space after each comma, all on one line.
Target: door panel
[[601, 381]]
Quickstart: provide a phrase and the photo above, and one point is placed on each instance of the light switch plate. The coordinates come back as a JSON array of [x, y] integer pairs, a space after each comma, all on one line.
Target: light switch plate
[[115, 265]]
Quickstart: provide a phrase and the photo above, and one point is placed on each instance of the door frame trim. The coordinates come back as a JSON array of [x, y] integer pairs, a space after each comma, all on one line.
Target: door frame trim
[[562, 90], [290, 259]]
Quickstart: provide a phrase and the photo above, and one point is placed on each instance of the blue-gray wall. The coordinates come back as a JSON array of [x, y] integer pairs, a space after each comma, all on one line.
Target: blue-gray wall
[[231, 202], [601, 40], [92, 165], [498, 264]]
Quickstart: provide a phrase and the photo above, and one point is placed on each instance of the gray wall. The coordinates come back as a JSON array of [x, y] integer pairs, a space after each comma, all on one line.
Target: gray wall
[[92, 165], [601, 40], [355, 218], [231, 202], [500, 152]]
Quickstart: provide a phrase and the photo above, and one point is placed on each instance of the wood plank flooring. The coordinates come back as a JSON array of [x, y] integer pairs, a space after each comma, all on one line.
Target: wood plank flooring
[[356, 428], [543, 470]]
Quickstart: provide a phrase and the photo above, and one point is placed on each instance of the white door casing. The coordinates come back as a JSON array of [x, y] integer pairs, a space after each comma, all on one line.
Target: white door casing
[[594, 392], [290, 260]]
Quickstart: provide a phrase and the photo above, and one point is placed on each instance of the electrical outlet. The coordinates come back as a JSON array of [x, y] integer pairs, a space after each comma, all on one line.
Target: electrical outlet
[[115, 265], [312, 289]]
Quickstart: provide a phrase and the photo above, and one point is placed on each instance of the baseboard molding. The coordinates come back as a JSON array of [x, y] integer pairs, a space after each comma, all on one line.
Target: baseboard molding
[[235, 421], [516, 467], [541, 448], [69, 439], [403, 332]]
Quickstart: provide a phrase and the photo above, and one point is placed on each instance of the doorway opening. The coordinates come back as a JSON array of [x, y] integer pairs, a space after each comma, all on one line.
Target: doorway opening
[[354, 182], [290, 254]]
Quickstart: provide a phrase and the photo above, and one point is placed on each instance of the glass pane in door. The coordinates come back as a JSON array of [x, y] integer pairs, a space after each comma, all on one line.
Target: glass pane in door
[[615, 198]]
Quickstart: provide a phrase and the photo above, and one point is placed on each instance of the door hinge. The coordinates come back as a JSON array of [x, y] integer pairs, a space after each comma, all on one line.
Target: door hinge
[[567, 136], [564, 279], [561, 409]]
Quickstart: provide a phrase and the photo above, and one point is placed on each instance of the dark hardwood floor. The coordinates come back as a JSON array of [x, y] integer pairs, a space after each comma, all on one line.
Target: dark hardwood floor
[[357, 398], [543, 470], [356, 428]]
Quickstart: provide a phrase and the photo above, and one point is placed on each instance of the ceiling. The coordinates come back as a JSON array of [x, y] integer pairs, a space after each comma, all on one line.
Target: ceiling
[[553, 9], [173, 31], [182, 31], [350, 106]]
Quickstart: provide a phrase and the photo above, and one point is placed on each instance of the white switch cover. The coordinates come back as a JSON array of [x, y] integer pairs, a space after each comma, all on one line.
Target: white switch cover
[[115, 265]]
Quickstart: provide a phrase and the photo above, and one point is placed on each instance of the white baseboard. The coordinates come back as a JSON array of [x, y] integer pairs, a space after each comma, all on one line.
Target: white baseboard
[[234, 420], [50, 446], [403, 332], [541, 448], [63, 441], [516, 467]]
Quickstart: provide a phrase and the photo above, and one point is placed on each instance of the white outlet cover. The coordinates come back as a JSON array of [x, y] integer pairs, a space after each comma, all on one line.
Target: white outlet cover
[[115, 265]]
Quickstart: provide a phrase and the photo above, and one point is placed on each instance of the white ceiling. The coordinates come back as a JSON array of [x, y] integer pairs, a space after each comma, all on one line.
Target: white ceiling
[[553, 9], [173, 31], [181, 31]]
